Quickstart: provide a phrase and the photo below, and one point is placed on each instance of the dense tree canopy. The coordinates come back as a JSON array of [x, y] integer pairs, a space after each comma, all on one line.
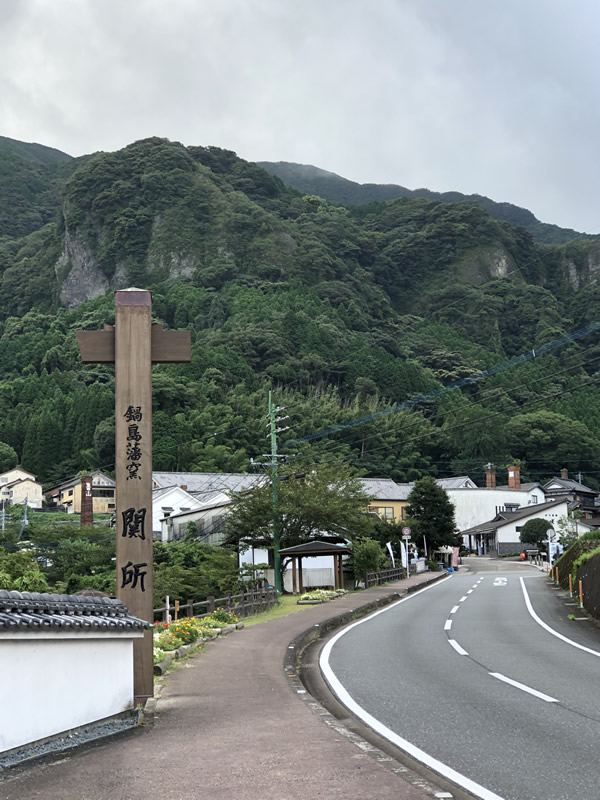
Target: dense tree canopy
[[430, 516], [343, 312], [535, 532], [324, 502]]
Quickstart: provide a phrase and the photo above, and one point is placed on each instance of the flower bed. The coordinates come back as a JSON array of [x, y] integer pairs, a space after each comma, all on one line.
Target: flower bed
[[171, 637], [320, 596]]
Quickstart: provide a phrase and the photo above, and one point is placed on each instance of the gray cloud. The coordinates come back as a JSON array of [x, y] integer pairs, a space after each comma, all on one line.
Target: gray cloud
[[499, 98]]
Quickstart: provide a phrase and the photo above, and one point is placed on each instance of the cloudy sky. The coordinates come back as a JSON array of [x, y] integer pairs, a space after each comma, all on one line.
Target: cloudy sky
[[499, 97]]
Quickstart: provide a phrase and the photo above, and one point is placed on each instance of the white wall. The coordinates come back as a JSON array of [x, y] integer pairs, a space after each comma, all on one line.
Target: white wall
[[509, 533], [51, 684], [210, 518], [316, 570], [175, 498], [474, 506]]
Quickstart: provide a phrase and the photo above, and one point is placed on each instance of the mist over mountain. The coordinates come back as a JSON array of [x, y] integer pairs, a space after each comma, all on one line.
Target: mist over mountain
[[343, 311]]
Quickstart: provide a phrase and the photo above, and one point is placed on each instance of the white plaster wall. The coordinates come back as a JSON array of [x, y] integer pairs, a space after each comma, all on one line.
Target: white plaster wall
[[509, 533], [175, 499], [49, 685], [474, 506], [316, 570]]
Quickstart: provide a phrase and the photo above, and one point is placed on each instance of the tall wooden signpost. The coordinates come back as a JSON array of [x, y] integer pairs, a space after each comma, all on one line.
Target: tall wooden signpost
[[134, 344]]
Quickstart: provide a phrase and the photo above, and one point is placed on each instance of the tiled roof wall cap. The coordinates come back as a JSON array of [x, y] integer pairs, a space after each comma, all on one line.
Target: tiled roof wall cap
[[35, 610]]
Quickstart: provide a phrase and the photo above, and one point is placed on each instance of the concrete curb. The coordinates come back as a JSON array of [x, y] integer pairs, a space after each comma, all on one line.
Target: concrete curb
[[292, 664]]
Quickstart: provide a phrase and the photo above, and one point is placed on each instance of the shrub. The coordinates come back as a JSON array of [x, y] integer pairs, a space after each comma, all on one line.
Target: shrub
[[582, 560], [589, 536], [222, 615]]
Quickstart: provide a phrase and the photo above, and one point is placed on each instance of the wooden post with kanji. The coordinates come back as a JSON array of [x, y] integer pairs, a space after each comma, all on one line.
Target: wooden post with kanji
[[134, 344]]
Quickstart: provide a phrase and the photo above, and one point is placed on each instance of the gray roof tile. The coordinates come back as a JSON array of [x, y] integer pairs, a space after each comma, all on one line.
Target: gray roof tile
[[35, 611]]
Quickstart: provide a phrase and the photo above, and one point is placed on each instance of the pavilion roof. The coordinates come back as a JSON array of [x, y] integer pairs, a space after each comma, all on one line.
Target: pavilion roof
[[316, 548]]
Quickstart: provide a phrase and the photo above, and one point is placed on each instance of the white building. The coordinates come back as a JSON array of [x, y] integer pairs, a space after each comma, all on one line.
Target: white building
[[501, 534], [208, 515], [18, 485], [169, 502], [473, 505]]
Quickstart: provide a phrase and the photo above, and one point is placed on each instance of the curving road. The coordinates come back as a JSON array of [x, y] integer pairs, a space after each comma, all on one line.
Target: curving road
[[465, 677]]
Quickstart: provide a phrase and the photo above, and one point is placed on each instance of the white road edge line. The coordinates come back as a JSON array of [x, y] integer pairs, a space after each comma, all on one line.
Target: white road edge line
[[447, 624], [454, 609], [524, 688], [551, 630], [346, 699], [453, 643], [462, 599]]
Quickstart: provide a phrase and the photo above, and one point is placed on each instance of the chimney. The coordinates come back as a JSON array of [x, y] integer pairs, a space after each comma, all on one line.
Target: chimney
[[514, 477], [490, 476], [184, 487], [564, 474]]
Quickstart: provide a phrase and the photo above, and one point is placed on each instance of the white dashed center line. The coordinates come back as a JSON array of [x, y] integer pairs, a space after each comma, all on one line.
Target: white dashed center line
[[524, 688], [457, 647], [447, 624], [462, 599], [454, 610]]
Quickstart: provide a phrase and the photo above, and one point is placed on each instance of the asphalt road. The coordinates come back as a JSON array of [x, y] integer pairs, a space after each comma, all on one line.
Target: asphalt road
[[463, 677]]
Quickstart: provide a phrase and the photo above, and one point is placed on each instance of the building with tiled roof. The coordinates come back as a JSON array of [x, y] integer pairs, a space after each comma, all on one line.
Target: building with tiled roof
[[579, 496], [500, 534]]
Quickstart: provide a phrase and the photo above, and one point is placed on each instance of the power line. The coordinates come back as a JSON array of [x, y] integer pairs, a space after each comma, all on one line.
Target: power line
[[515, 361], [501, 392], [467, 422]]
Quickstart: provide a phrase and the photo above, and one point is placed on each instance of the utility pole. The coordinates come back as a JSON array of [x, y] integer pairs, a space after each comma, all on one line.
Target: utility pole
[[274, 430], [24, 521]]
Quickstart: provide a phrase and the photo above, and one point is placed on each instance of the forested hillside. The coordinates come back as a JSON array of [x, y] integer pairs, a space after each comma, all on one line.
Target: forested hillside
[[343, 312], [312, 180]]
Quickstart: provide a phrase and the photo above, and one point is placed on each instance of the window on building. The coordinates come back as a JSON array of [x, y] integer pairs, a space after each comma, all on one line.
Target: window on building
[[103, 492], [404, 512], [384, 512], [70, 492]]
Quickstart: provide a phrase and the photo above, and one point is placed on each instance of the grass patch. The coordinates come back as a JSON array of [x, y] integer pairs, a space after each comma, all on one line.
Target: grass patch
[[288, 604]]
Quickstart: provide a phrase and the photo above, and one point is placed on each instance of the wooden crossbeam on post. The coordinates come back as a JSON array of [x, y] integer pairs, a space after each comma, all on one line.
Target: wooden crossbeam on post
[[133, 345]]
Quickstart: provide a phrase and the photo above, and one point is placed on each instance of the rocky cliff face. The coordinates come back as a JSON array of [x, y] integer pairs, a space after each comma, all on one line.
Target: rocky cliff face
[[81, 278], [582, 269]]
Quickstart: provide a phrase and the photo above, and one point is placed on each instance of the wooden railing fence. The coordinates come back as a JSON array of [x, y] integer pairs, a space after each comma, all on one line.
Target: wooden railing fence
[[244, 605], [384, 576]]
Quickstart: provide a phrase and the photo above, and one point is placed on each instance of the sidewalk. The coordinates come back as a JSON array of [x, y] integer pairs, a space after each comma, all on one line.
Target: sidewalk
[[229, 725]]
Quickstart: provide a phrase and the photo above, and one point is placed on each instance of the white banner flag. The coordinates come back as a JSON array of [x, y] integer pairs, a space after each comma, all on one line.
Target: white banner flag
[[391, 552], [403, 549]]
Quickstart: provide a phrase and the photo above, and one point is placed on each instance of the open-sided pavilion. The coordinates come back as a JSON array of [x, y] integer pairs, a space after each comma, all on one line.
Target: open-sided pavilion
[[311, 550]]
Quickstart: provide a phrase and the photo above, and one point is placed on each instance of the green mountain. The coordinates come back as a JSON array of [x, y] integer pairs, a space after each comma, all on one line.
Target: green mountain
[[344, 312], [31, 176], [312, 180], [33, 151]]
